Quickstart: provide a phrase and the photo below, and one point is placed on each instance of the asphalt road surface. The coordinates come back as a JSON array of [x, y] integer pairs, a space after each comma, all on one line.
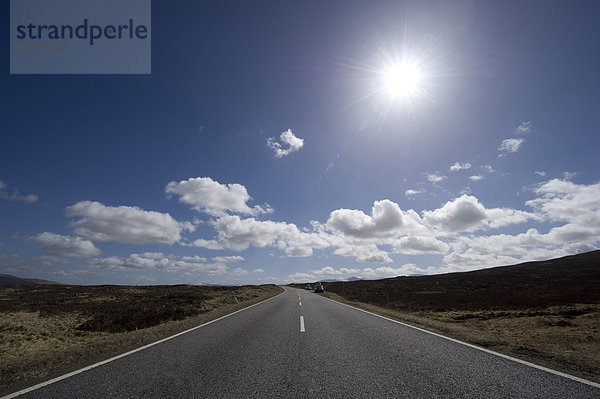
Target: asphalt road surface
[[300, 344]]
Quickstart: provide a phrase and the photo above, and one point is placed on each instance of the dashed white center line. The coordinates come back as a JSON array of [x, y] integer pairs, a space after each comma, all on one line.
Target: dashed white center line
[[302, 324], [300, 303]]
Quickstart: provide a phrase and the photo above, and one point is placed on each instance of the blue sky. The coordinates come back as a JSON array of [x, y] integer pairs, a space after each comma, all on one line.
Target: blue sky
[[268, 146]]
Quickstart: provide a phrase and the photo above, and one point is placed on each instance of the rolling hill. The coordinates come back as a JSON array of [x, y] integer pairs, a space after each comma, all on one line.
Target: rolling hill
[[8, 279]]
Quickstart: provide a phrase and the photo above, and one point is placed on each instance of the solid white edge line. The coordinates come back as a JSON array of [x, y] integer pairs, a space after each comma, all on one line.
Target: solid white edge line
[[302, 324], [502, 355], [72, 373]]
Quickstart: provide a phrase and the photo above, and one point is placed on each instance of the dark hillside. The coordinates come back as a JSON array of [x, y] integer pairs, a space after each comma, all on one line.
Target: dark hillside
[[8, 279], [562, 281]]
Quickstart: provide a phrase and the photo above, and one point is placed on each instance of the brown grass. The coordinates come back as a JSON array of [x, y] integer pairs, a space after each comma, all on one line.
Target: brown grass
[[45, 330]]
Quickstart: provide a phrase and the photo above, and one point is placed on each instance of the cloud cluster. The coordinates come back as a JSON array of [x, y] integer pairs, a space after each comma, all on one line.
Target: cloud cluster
[[202, 243], [514, 144], [419, 245], [209, 196], [124, 224], [412, 192], [355, 234], [373, 236], [161, 262], [238, 234], [467, 214], [435, 177], [287, 144], [462, 214], [15, 195], [460, 166], [564, 201], [510, 145], [65, 246], [577, 206], [363, 252], [344, 273], [524, 127], [386, 220]]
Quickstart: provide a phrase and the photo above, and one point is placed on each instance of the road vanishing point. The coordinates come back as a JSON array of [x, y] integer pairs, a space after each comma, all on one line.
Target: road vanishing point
[[300, 344]]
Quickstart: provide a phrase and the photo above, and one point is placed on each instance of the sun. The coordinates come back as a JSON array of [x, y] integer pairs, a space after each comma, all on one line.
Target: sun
[[402, 80]]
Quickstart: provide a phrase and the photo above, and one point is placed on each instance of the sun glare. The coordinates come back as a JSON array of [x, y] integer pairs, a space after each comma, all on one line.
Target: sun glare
[[402, 80]]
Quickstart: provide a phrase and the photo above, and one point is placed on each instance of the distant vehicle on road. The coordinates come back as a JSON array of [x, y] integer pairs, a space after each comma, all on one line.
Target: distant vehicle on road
[[308, 287], [318, 287]]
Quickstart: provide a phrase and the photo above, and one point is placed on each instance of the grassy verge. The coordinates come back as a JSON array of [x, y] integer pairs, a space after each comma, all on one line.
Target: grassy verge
[[565, 338], [46, 330]]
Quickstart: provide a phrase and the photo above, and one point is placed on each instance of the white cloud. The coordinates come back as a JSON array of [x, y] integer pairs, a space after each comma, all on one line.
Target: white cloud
[[15, 195], [330, 271], [563, 200], [228, 259], [355, 234], [524, 127], [501, 217], [468, 261], [194, 258], [301, 277], [435, 177], [158, 261], [577, 205], [476, 178], [209, 196], [540, 173], [387, 271], [504, 249], [386, 219], [258, 270], [202, 243], [124, 224], [488, 168], [238, 234], [575, 233], [289, 143], [510, 145], [411, 192], [466, 213], [368, 237], [461, 214], [416, 245], [238, 272], [367, 272], [65, 246], [460, 166], [367, 253]]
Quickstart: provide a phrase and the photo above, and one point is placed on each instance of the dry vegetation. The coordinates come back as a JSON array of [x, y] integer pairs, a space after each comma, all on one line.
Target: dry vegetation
[[46, 329], [546, 312]]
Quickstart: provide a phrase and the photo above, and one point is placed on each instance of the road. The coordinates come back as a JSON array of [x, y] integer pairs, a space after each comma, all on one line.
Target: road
[[300, 344]]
